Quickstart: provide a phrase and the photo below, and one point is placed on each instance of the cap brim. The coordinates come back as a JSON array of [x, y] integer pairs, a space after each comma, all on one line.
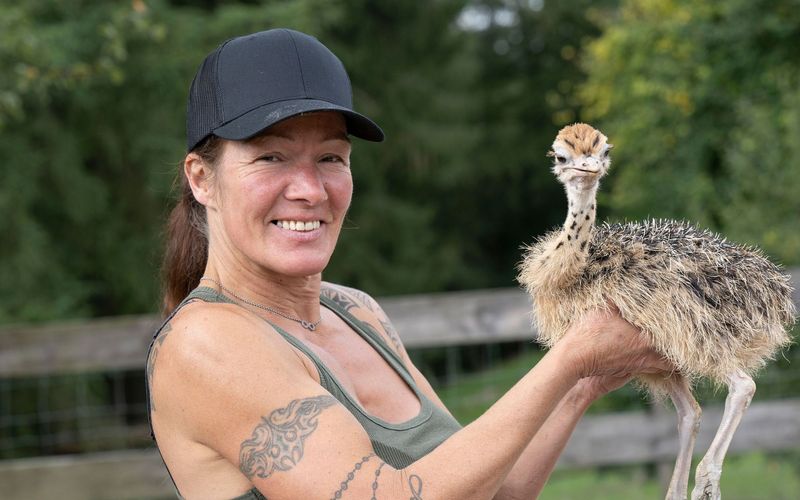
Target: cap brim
[[255, 121]]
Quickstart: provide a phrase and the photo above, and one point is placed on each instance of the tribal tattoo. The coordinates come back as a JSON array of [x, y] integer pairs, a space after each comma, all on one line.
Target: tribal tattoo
[[342, 300], [365, 299], [392, 333], [277, 442], [351, 298]]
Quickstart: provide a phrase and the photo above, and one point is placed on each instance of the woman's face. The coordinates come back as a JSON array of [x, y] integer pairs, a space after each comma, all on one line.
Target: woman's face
[[280, 198]]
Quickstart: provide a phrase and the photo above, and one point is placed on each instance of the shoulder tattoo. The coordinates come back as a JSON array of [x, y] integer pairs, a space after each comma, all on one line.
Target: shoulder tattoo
[[392, 334], [365, 299], [277, 441], [350, 298], [151, 359], [340, 298]]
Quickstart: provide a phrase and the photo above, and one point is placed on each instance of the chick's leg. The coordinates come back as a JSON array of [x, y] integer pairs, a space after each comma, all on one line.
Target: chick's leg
[[688, 422], [740, 392]]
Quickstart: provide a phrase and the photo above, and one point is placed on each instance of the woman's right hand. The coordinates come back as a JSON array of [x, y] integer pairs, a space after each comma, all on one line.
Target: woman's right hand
[[604, 344]]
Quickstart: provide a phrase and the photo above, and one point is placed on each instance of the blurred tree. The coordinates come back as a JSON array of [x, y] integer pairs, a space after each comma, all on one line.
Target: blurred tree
[[701, 100], [92, 99], [71, 182], [529, 55], [413, 73]]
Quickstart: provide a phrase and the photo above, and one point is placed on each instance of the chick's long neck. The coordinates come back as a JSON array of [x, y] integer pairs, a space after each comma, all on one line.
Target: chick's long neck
[[571, 246], [556, 263], [581, 210]]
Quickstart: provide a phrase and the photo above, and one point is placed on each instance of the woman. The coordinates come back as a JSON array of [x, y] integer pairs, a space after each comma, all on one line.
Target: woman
[[267, 381]]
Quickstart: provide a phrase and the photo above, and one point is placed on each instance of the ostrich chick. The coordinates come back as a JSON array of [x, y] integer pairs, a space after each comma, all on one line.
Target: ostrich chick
[[712, 308]]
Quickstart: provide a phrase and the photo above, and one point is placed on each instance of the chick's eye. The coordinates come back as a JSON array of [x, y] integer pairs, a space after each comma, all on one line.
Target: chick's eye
[[561, 159], [605, 153]]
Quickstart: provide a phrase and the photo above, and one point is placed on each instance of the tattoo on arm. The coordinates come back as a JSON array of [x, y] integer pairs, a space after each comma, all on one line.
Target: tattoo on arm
[[350, 476], [415, 483], [375, 481], [350, 299], [392, 334], [277, 442], [151, 360], [365, 299]]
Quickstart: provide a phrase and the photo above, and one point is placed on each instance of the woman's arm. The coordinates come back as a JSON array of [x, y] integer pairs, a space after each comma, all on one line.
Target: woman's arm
[[532, 470], [244, 392]]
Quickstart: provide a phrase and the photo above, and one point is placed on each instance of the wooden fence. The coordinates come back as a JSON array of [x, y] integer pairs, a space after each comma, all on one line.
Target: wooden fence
[[457, 318]]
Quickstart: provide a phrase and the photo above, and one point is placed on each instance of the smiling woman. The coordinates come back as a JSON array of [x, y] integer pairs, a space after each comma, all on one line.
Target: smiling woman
[[266, 381], [275, 203]]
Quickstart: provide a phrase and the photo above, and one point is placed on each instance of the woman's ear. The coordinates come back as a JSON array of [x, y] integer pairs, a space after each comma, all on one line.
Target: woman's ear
[[199, 175]]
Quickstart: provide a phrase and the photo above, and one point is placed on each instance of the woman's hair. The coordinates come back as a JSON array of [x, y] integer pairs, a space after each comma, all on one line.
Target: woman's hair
[[186, 249]]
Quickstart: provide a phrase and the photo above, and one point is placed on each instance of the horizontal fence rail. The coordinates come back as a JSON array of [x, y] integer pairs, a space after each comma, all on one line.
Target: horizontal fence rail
[[428, 320]]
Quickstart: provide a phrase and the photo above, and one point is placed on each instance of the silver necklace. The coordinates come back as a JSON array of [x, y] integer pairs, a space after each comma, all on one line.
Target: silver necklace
[[308, 325]]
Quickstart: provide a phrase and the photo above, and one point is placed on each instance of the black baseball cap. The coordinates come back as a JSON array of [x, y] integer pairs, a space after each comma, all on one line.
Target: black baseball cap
[[254, 81]]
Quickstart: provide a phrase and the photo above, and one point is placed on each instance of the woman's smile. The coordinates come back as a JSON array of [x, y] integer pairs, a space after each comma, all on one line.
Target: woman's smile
[[298, 225]]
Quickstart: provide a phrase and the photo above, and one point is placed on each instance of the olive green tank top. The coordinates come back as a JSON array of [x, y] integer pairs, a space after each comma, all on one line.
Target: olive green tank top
[[396, 444]]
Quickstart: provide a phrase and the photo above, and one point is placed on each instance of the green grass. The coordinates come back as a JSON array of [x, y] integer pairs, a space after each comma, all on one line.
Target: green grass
[[472, 394], [747, 477]]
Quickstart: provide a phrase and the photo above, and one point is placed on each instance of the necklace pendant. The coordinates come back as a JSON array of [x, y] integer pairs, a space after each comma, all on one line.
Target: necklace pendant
[[308, 325]]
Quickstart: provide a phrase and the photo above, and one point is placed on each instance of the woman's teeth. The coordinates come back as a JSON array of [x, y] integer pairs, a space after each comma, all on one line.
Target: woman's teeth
[[296, 225]]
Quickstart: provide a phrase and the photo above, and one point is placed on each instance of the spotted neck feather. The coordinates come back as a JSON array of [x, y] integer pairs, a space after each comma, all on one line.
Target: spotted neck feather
[[558, 261]]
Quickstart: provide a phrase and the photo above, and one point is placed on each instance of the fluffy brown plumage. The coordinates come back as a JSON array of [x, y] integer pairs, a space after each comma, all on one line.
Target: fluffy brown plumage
[[709, 306], [713, 308]]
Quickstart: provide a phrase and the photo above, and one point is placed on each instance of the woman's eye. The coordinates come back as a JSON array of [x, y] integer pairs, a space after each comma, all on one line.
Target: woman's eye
[[269, 158], [332, 159]]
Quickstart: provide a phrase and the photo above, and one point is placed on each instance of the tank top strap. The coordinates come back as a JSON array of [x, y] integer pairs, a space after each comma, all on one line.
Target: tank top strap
[[200, 293]]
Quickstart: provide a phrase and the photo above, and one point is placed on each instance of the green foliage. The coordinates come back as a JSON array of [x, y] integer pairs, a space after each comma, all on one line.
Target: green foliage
[[92, 99], [528, 64], [72, 180], [700, 99], [92, 96]]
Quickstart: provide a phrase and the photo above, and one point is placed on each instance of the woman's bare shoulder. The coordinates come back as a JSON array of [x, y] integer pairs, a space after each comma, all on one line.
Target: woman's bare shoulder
[[208, 349], [201, 327]]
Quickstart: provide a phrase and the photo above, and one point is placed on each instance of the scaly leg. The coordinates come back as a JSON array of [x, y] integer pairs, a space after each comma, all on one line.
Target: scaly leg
[[740, 392], [688, 423]]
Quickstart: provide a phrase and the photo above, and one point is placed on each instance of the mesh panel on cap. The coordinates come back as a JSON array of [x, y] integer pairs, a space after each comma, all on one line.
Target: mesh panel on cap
[[206, 112]]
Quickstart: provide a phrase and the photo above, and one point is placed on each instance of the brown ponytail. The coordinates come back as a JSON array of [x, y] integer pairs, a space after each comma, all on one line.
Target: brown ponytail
[[186, 250]]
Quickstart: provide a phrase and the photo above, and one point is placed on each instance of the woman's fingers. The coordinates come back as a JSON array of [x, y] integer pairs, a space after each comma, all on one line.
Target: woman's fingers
[[606, 344]]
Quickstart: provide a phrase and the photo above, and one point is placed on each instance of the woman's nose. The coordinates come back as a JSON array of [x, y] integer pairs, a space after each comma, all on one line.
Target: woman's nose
[[306, 183]]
